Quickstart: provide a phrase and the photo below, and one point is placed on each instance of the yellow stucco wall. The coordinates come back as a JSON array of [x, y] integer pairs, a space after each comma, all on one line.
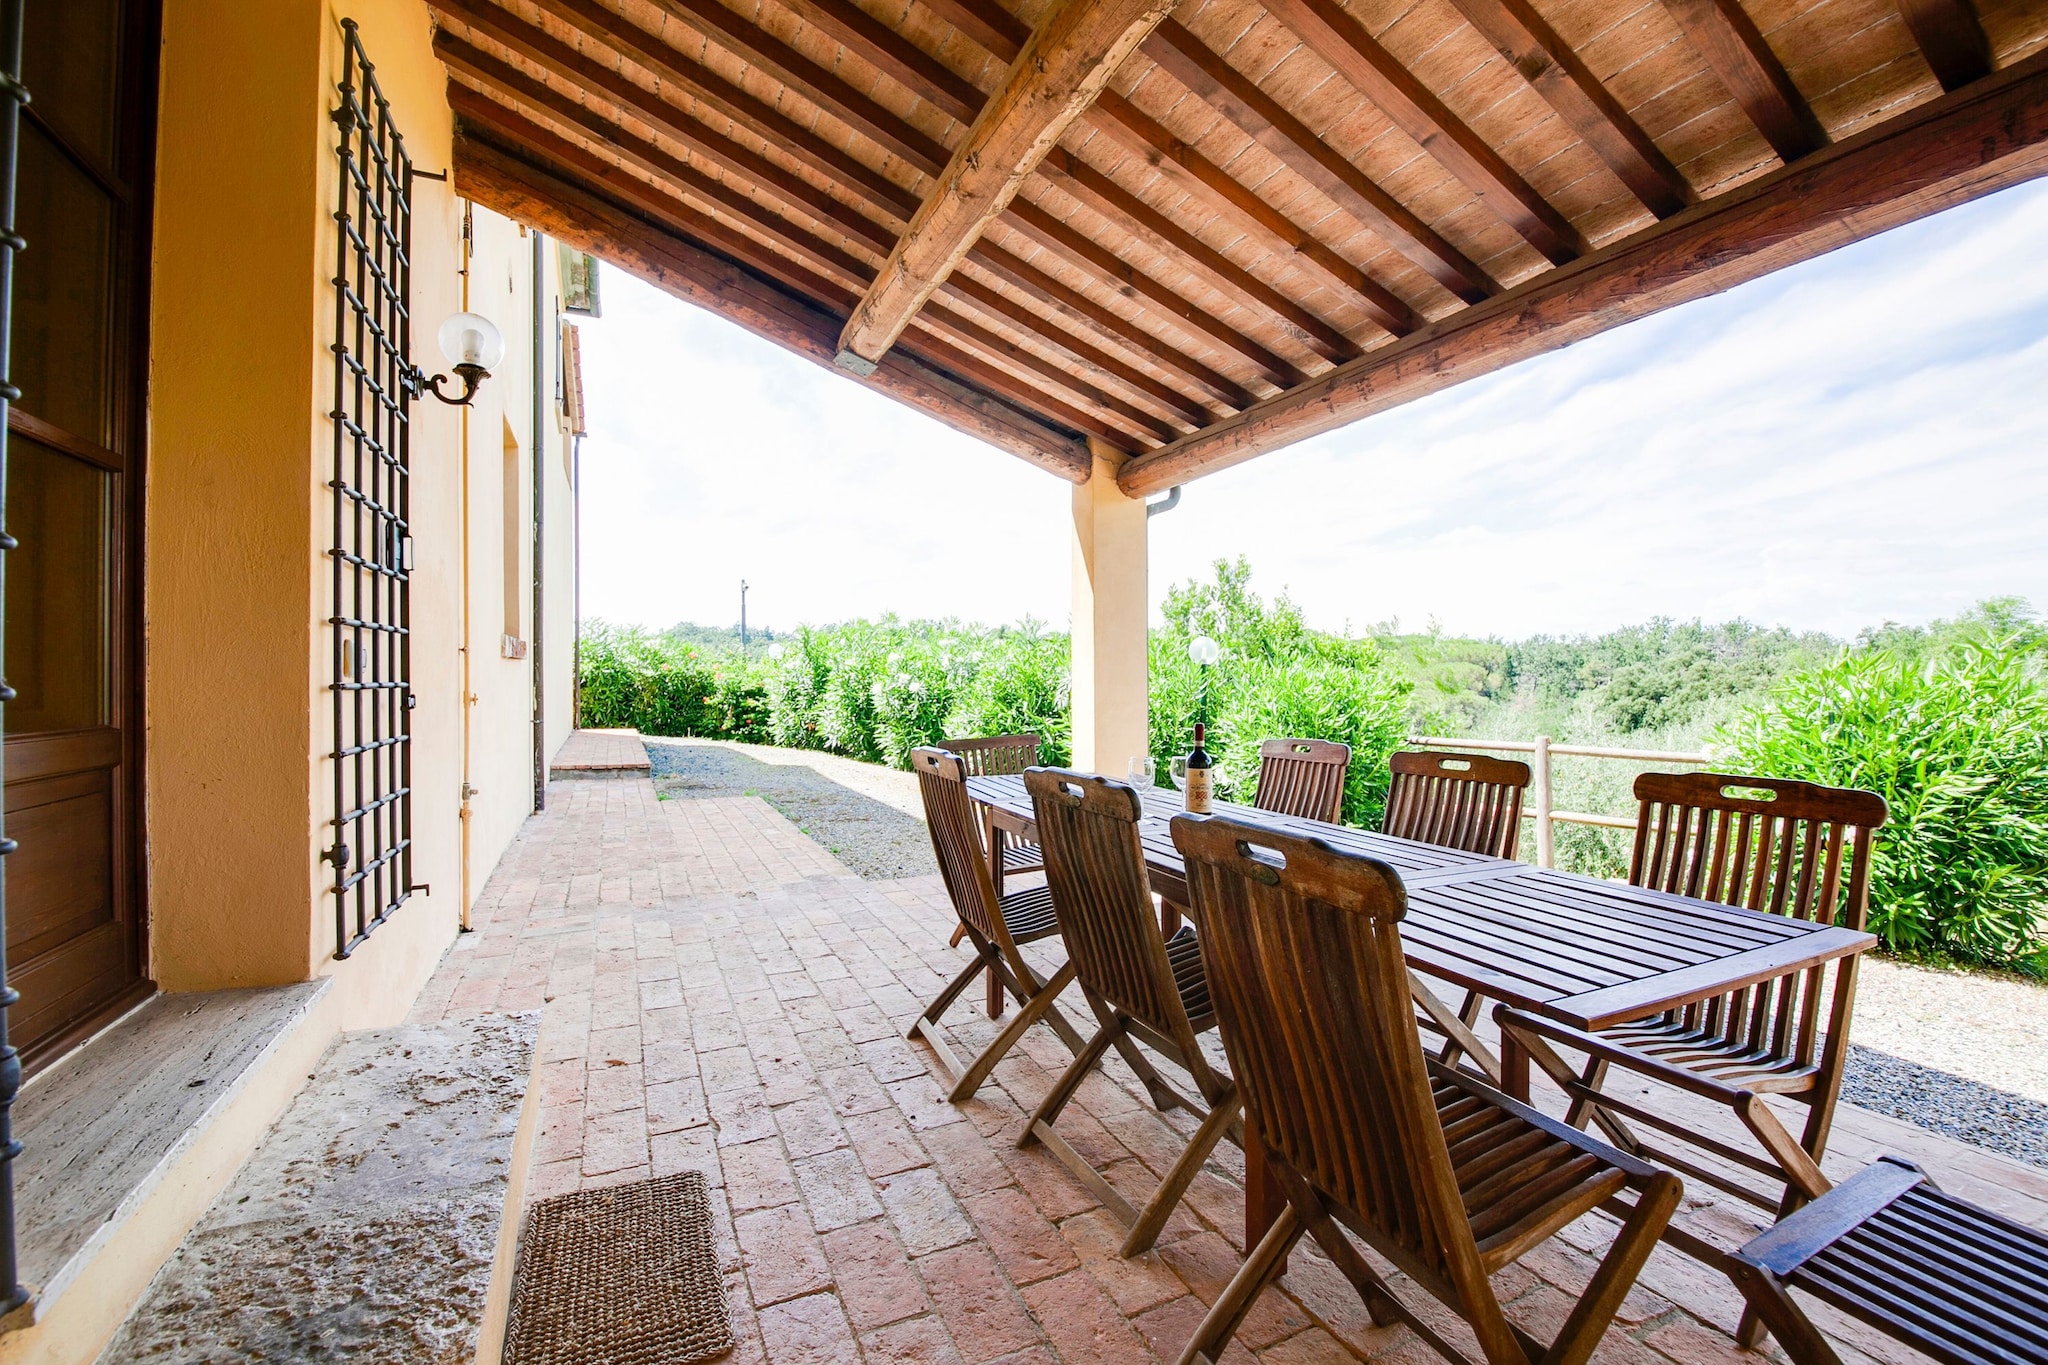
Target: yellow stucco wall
[[1110, 696], [239, 788]]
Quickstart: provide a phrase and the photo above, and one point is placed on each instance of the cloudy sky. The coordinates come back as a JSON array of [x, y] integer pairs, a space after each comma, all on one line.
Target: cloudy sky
[[1860, 438]]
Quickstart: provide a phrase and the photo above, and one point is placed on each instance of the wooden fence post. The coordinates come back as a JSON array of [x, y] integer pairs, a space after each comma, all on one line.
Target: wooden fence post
[[1541, 766]]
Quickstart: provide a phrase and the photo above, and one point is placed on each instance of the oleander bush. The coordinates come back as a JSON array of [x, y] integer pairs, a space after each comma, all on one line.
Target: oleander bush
[[1952, 730]]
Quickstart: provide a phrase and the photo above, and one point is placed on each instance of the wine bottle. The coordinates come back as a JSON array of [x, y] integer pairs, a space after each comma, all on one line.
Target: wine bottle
[[1201, 786]]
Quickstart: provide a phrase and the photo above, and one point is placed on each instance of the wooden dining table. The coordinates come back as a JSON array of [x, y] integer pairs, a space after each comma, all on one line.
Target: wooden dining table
[[1587, 952]]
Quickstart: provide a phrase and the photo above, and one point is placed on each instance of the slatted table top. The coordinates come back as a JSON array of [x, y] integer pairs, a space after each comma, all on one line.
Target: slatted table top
[[1588, 952]]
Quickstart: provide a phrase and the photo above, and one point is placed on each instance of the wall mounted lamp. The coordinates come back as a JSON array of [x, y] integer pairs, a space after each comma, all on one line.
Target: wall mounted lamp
[[474, 346]]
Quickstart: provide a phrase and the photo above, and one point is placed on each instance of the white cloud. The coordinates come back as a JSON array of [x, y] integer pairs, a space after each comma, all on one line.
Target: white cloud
[[1856, 439]]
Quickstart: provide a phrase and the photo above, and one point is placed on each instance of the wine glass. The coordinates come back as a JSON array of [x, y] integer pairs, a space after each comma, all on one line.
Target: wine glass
[[1177, 772], [1139, 772]]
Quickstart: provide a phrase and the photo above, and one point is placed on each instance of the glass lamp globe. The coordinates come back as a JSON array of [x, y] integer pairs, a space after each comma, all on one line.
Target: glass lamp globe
[[1204, 650], [472, 339], [775, 651]]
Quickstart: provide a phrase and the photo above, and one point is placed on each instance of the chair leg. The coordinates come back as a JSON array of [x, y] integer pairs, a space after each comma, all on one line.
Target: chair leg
[[1152, 1218], [977, 1071], [1595, 1310], [1070, 1080], [1769, 1301], [1260, 1269]]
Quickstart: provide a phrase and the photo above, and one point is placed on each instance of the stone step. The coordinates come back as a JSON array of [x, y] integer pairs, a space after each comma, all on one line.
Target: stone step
[[600, 755], [367, 1223]]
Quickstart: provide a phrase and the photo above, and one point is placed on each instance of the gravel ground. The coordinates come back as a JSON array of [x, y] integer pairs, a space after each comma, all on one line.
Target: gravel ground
[[1962, 1053], [870, 817]]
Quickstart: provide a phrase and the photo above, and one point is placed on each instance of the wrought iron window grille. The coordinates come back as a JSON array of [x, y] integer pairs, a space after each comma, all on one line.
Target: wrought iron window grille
[[375, 384]]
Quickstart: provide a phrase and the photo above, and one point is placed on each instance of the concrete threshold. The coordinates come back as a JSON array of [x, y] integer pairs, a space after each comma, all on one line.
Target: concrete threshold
[[128, 1139], [371, 1222]]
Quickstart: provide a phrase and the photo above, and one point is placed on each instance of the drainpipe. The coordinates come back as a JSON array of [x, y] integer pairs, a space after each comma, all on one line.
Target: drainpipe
[[540, 483], [468, 693], [1165, 504], [576, 580]]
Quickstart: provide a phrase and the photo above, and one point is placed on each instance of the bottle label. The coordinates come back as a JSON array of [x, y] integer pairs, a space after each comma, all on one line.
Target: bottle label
[[1201, 790]]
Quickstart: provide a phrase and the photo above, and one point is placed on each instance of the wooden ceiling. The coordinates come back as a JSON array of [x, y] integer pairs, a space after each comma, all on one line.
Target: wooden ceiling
[[1201, 231]]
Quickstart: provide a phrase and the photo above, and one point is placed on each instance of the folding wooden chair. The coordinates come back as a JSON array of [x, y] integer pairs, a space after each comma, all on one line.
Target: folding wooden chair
[[1957, 1282], [1303, 777], [1470, 802], [1139, 983], [998, 925], [1789, 848], [994, 754], [1437, 1171]]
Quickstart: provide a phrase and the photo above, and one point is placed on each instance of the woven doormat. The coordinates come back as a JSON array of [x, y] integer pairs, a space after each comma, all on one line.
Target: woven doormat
[[626, 1275]]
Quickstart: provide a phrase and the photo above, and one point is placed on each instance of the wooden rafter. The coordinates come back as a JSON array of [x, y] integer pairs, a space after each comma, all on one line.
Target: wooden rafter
[[1343, 44], [1238, 98], [1951, 37], [1549, 64], [1984, 138], [1053, 81], [1735, 48]]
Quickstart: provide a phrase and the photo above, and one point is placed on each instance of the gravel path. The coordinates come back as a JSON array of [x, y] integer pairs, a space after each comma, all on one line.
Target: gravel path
[[1962, 1053], [870, 817]]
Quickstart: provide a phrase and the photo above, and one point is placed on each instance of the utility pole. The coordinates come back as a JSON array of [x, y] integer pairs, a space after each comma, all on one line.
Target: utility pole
[[743, 616]]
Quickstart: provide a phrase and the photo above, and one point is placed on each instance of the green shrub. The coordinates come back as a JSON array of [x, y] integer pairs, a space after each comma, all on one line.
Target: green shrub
[[1955, 739], [1365, 708]]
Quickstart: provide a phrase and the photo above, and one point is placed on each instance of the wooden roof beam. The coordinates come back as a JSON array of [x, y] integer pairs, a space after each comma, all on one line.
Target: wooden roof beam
[[1983, 138], [1951, 37], [1238, 98], [1063, 66], [1329, 31], [1549, 64], [1735, 49], [588, 223]]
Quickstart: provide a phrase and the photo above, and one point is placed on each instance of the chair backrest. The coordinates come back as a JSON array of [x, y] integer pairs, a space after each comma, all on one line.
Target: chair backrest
[[1302, 945], [1464, 801], [1102, 897], [1789, 848], [992, 755], [956, 839], [1303, 777]]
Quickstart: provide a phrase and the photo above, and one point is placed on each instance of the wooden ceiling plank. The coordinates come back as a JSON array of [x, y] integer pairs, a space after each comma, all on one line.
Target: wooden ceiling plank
[[748, 166], [1735, 50], [755, 46], [1951, 38], [836, 276], [589, 223], [1131, 421], [700, 83], [1051, 83], [1163, 396], [1106, 265], [1343, 44], [1549, 64], [1020, 274], [893, 54], [993, 27], [936, 350], [1193, 173], [1238, 98], [1990, 135], [1081, 180]]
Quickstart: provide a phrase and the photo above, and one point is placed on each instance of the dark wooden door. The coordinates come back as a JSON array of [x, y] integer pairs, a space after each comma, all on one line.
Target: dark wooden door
[[76, 942]]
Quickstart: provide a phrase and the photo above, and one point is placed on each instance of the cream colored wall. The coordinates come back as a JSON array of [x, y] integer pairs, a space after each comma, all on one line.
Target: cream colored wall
[[238, 580]]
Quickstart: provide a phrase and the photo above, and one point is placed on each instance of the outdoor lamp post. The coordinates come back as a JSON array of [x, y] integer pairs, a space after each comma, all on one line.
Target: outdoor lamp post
[[474, 346], [1204, 652]]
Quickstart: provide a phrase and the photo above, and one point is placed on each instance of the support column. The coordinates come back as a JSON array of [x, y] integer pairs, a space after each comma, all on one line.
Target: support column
[[1110, 698]]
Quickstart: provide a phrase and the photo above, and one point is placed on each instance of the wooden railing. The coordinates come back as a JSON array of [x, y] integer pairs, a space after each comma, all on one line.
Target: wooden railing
[[1540, 751]]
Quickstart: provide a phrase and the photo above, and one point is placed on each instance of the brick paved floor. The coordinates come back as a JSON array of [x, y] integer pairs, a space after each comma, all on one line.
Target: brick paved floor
[[719, 993]]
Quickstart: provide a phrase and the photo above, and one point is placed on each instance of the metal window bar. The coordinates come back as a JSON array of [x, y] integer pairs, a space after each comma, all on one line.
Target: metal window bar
[[371, 554]]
